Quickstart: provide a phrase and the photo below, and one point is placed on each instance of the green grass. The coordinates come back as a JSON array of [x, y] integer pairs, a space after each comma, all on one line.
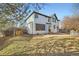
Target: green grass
[[38, 45]]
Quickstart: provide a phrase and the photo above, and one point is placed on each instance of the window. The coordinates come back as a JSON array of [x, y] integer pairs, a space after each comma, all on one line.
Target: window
[[36, 15], [54, 26], [40, 27], [53, 20], [48, 19]]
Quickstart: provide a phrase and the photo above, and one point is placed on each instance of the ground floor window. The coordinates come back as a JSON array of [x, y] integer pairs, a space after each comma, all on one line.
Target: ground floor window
[[40, 27], [54, 26], [57, 27]]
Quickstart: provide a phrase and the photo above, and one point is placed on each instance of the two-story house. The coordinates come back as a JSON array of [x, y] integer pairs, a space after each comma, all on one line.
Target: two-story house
[[38, 23]]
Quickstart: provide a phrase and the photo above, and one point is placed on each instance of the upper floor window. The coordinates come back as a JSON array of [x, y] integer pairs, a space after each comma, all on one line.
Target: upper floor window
[[54, 26], [53, 20], [36, 15], [48, 19]]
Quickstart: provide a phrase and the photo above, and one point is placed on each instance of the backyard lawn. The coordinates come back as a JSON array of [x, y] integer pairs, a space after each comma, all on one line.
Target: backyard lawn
[[40, 45]]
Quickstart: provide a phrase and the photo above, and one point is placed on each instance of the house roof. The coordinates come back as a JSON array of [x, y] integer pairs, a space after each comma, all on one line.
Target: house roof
[[37, 13]]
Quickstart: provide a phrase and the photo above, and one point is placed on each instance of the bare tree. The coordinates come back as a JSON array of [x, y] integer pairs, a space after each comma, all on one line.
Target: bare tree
[[16, 12], [71, 23]]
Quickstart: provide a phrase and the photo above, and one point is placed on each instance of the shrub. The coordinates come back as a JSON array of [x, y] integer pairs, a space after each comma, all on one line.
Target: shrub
[[13, 31]]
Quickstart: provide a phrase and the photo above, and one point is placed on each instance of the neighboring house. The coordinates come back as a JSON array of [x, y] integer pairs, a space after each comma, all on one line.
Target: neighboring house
[[37, 23]]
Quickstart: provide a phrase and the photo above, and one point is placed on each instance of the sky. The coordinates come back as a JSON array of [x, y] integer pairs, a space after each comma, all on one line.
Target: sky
[[61, 9]]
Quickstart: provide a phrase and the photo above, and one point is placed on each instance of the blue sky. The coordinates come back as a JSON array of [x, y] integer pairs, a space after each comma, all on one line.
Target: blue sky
[[61, 9]]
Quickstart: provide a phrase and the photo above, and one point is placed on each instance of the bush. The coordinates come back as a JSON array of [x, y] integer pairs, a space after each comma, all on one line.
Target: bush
[[9, 32], [15, 31]]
